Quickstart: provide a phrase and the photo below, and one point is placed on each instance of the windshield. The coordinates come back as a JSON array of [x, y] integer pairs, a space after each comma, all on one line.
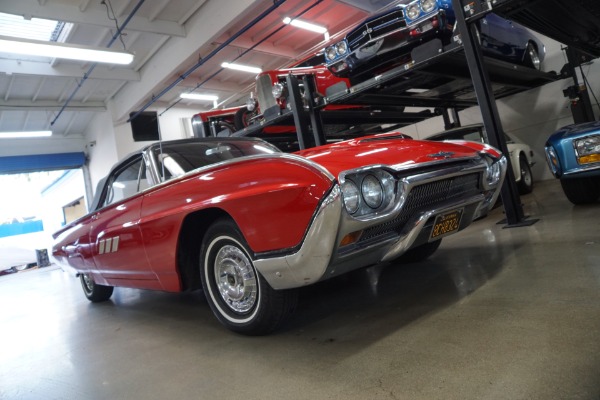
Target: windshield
[[175, 159]]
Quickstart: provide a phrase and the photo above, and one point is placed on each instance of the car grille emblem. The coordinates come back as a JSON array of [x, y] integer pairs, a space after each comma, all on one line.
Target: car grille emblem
[[444, 154]]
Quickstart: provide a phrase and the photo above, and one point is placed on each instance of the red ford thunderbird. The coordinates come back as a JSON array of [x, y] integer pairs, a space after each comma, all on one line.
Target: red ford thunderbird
[[248, 224]]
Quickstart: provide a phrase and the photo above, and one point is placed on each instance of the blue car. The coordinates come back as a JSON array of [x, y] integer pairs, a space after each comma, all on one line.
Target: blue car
[[573, 155], [389, 37]]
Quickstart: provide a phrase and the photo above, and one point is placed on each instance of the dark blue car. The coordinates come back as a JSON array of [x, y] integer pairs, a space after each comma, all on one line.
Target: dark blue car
[[573, 155], [390, 36]]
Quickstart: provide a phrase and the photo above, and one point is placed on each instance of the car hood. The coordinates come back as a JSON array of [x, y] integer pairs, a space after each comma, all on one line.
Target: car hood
[[574, 131], [395, 150]]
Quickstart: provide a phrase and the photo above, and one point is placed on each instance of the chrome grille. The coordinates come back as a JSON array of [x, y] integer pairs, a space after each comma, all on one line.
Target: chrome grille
[[375, 28], [426, 197]]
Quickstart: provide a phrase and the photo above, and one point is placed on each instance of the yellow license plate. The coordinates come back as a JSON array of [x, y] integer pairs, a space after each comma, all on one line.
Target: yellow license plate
[[446, 224]]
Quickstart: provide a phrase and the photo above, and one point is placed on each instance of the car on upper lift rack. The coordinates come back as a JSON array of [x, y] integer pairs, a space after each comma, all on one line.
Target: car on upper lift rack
[[389, 37], [573, 155]]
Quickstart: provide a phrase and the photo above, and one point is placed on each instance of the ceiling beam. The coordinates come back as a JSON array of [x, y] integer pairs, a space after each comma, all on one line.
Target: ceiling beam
[[214, 18], [92, 16], [65, 70], [43, 105]]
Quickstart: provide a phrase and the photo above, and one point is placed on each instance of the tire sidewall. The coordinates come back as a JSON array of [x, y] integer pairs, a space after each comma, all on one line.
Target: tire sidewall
[[215, 239]]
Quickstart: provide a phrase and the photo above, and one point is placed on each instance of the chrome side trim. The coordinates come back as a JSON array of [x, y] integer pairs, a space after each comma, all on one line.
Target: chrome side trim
[[309, 263]]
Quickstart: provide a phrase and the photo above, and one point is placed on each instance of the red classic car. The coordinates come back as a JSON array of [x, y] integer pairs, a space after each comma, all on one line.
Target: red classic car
[[248, 224], [271, 99]]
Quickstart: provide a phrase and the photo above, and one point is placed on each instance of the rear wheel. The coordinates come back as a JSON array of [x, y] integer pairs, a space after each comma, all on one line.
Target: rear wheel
[[581, 190], [94, 292], [526, 182], [421, 252], [532, 57], [237, 294], [241, 119]]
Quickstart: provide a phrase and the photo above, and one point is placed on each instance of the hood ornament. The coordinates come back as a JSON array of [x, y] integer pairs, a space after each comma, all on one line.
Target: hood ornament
[[444, 154]]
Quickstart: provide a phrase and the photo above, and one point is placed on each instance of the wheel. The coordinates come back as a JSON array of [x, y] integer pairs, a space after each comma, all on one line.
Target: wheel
[[526, 183], [94, 292], [581, 190], [239, 297], [532, 58], [421, 252], [241, 119]]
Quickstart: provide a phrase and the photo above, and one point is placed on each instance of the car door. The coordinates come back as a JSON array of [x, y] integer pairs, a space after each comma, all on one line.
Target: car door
[[119, 252]]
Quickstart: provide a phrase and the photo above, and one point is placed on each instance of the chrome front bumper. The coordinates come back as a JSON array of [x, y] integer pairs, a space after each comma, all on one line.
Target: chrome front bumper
[[319, 256]]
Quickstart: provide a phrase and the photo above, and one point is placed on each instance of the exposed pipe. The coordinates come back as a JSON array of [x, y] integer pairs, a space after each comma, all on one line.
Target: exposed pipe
[[87, 74], [256, 20], [244, 53]]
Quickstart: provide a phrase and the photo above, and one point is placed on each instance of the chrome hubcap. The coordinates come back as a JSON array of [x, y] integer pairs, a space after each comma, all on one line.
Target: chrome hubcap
[[535, 59], [236, 279], [88, 282], [525, 176]]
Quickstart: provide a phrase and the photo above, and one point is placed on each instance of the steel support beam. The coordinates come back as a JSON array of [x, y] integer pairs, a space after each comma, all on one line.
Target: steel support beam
[[489, 111]]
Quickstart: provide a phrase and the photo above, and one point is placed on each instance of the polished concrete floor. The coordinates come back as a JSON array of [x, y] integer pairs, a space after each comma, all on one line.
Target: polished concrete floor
[[494, 314]]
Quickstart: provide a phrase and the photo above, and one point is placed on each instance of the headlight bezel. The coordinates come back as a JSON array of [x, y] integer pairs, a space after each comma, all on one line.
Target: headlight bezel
[[341, 48], [331, 53], [375, 175], [414, 9], [428, 9], [587, 149]]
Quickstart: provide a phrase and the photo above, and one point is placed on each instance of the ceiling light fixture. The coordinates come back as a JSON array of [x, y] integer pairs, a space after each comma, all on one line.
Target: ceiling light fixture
[[27, 134], [61, 50], [202, 97], [198, 96], [304, 25], [240, 67]]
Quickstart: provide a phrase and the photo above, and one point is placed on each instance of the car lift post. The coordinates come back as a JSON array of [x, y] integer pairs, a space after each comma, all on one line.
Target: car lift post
[[491, 120], [309, 126], [581, 105]]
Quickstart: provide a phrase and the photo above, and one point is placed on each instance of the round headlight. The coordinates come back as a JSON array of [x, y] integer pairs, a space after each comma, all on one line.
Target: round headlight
[[251, 104], [351, 196], [428, 5], [341, 48], [277, 90], [412, 11], [493, 172], [372, 191], [330, 52]]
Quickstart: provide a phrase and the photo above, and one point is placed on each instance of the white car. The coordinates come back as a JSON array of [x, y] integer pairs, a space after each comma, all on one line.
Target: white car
[[522, 157]]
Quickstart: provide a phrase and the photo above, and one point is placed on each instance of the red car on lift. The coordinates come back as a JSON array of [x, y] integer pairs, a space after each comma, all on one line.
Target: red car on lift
[[271, 99], [248, 224]]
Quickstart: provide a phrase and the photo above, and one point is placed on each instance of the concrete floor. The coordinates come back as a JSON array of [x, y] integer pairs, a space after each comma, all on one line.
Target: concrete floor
[[494, 314]]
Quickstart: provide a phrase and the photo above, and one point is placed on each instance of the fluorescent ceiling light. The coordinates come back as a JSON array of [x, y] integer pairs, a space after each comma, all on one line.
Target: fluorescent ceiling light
[[198, 96], [304, 25], [240, 67], [28, 134], [62, 50]]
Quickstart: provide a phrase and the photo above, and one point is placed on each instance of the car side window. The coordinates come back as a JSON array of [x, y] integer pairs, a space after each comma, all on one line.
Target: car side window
[[126, 182]]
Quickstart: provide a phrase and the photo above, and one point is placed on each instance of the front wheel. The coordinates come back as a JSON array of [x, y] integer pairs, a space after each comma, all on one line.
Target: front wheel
[[94, 292], [237, 294], [581, 190], [532, 57], [526, 182]]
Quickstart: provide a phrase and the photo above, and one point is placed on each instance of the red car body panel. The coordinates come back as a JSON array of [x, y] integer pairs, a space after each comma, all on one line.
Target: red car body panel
[[148, 224]]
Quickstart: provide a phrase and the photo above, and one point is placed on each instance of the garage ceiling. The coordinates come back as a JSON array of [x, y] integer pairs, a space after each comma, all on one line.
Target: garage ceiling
[[167, 38]]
